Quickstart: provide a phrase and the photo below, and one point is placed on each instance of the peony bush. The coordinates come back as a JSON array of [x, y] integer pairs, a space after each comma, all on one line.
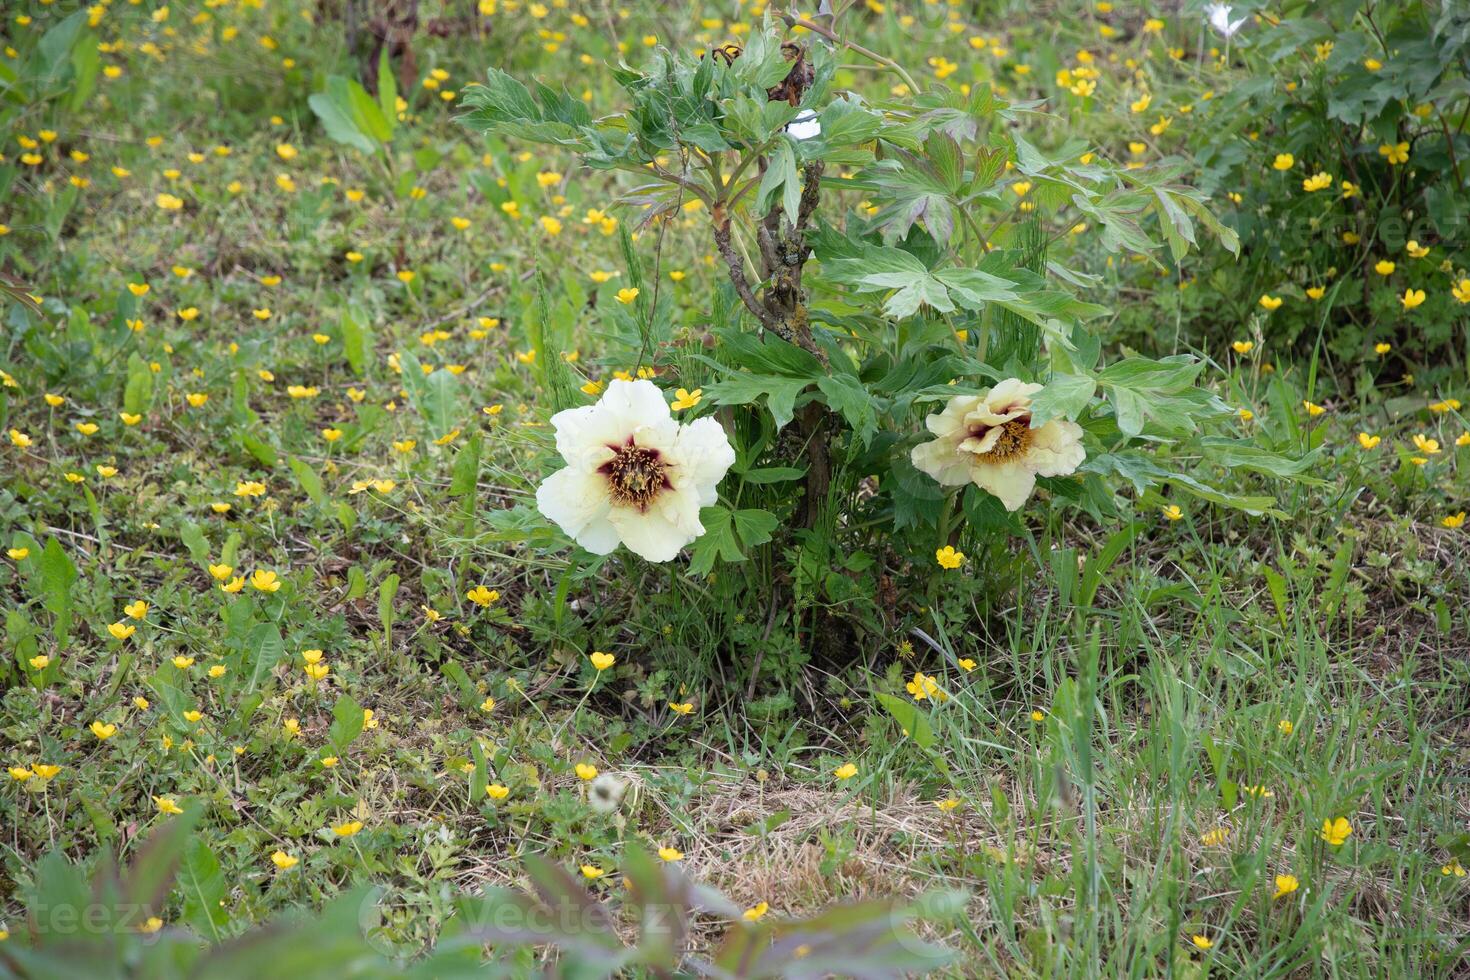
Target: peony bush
[[890, 267]]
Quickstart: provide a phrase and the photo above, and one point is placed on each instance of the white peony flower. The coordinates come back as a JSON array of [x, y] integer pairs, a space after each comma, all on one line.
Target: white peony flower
[[1219, 17], [634, 475], [988, 440]]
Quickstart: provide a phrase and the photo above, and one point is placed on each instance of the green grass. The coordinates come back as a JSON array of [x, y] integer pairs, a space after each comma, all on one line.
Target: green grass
[[1161, 659]]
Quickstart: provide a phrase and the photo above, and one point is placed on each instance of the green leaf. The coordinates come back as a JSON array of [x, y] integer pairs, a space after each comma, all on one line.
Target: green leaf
[[386, 592], [772, 474], [334, 107], [193, 537], [347, 722], [355, 341], [55, 579], [780, 181], [387, 90], [465, 476], [138, 392], [264, 648], [203, 885], [503, 105], [263, 451], [310, 480], [480, 778], [434, 396]]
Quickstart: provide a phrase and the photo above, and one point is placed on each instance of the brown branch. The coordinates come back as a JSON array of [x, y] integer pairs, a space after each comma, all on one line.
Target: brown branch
[[736, 266]]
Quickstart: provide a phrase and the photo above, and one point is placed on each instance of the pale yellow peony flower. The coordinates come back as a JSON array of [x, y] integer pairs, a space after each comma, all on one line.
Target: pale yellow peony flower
[[634, 475], [988, 440]]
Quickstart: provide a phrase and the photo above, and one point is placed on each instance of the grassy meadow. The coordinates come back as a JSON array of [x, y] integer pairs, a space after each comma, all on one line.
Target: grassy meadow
[[296, 635]]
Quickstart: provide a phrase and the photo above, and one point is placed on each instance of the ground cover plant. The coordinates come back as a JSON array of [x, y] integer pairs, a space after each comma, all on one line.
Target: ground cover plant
[[861, 489]]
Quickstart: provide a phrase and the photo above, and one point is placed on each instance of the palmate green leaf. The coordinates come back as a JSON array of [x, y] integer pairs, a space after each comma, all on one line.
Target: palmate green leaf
[[874, 268], [1064, 397], [504, 106], [1240, 454], [847, 396], [742, 388], [728, 534], [1143, 473], [846, 121]]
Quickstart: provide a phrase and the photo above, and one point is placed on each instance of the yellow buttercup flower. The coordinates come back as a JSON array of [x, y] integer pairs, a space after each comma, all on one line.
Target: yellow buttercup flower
[[949, 558], [264, 580], [1317, 182], [1270, 303], [602, 661], [1336, 832], [845, 771]]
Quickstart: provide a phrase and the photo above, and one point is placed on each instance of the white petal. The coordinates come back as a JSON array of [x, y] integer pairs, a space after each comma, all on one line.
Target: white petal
[[651, 534], [1010, 395], [639, 402], [702, 456], [584, 435], [577, 502], [976, 446], [1056, 448], [1011, 482], [953, 417], [942, 462]]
